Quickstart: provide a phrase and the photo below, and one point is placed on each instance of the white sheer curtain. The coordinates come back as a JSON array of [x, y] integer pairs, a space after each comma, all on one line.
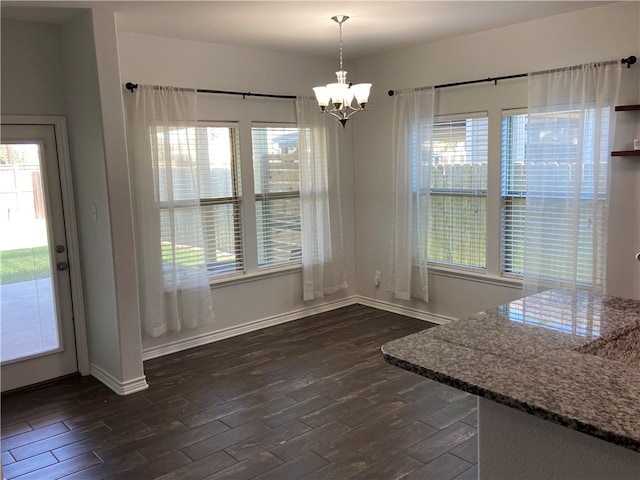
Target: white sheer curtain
[[570, 133], [413, 113], [320, 208], [170, 247]]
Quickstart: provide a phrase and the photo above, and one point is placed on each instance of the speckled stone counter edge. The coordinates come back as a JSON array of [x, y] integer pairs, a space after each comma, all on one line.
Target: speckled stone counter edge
[[588, 429], [508, 355]]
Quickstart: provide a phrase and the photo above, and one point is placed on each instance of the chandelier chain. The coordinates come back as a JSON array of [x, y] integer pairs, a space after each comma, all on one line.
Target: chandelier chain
[[340, 50]]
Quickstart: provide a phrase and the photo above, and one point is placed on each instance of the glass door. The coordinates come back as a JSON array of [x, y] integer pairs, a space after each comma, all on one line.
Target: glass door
[[36, 314]]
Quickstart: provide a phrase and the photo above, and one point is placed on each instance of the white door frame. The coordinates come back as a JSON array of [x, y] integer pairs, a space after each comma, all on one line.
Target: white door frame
[[66, 185]]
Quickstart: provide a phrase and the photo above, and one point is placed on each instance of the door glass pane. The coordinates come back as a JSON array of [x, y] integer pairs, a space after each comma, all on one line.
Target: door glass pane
[[27, 309]]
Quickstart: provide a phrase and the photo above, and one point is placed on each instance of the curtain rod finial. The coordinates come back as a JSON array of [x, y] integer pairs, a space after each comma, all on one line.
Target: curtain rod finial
[[629, 61], [131, 86]]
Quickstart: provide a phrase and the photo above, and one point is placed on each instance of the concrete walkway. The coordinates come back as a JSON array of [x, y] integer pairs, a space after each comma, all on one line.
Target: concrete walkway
[[27, 319]]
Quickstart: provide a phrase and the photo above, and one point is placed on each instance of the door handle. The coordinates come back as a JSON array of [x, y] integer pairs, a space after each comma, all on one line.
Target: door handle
[[62, 266]]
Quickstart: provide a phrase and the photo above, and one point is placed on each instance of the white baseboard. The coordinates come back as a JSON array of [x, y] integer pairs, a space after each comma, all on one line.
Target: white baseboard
[[205, 338], [121, 388], [210, 337], [401, 310]]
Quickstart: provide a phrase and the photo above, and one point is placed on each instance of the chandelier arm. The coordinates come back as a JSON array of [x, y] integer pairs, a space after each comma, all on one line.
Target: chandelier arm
[[346, 113]]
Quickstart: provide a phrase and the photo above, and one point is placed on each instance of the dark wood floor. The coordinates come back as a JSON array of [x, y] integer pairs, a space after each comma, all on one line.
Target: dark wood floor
[[307, 399]]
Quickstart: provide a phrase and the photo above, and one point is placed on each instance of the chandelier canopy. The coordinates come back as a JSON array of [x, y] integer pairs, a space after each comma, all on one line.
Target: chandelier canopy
[[345, 98]]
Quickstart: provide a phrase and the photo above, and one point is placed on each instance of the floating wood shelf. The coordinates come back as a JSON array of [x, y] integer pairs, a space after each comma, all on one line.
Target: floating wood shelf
[[626, 153], [627, 108]]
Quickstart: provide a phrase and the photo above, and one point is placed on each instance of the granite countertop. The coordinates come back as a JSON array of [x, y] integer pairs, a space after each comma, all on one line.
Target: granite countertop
[[543, 355]]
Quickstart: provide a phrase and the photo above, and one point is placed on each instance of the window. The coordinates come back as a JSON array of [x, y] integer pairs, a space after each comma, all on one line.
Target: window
[[218, 211], [220, 196], [276, 177], [550, 182], [513, 193], [458, 200]]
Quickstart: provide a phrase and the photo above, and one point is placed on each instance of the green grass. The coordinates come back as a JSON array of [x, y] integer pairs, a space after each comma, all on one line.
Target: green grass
[[33, 263], [24, 264]]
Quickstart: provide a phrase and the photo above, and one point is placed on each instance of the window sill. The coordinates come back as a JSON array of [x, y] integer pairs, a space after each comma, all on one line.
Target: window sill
[[475, 276], [254, 276]]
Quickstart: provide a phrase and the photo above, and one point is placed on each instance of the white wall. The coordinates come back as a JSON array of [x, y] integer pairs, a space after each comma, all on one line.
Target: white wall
[[86, 145], [600, 33], [32, 79], [119, 195], [110, 299], [162, 61]]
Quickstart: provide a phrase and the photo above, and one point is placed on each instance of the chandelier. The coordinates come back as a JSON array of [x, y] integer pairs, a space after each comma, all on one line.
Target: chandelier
[[345, 98]]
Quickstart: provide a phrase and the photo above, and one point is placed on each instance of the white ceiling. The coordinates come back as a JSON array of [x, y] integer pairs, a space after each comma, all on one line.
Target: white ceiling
[[303, 26]]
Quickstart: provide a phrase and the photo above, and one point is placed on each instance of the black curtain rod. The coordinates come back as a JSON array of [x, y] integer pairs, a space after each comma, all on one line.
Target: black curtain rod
[[625, 61], [132, 86]]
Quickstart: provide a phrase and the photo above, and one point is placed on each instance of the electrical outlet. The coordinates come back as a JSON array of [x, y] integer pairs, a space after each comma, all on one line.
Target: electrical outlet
[[376, 279]]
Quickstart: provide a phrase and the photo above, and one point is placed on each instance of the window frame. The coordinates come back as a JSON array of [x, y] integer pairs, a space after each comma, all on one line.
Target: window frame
[[481, 193], [510, 197], [235, 200], [261, 197], [601, 199]]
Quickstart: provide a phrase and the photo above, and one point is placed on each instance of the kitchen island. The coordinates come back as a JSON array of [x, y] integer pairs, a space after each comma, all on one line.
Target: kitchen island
[[557, 375]]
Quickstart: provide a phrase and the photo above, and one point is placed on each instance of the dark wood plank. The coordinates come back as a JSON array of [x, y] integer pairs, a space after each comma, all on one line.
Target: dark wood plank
[[395, 467], [312, 440], [182, 440], [441, 442], [445, 467], [467, 450], [201, 468], [310, 398], [345, 467], [299, 467], [354, 440], [470, 474], [98, 440], [7, 458], [31, 436], [268, 440], [123, 464], [297, 410], [249, 468], [29, 465], [452, 413], [398, 441], [225, 439], [61, 469], [155, 467], [57, 441], [257, 411]]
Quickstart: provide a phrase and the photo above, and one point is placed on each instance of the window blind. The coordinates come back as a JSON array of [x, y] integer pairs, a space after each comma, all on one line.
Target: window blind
[[563, 167], [458, 201], [513, 192], [220, 196], [277, 188], [207, 155]]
